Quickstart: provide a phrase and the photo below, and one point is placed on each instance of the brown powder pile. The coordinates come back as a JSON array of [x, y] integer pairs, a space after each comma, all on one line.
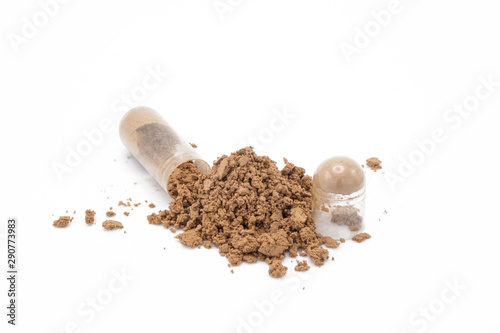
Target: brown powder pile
[[374, 163], [248, 208], [361, 237], [62, 222], [110, 225], [89, 216]]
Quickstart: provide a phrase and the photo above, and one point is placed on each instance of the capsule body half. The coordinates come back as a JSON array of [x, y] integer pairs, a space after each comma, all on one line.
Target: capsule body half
[[156, 145]]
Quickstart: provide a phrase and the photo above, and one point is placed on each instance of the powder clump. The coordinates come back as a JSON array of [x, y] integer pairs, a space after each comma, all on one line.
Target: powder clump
[[62, 222], [374, 163], [110, 225], [361, 237], [248, 208], [302, 266], [89, 217]]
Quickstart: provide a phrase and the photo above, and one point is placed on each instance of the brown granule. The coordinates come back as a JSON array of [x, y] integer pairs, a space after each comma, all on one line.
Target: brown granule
[[110, 214], [302, 266], [342, 240], [246, 207], [152, 205], [137, 204], [110, 225], [193, 145], [232, 271], [126, 213], [361, 237], [62, 222], [121, 203], [172, 230], [276, 268], [330, 242], [374, 163], [89, 216]]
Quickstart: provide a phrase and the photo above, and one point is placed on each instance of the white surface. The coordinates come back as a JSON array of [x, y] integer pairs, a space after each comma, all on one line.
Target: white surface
[[225, 78]]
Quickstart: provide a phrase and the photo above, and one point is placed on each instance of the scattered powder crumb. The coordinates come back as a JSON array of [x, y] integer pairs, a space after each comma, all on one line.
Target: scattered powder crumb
[[342, 240], [121, 203], [302, 266], [62, 222], [126, 213], [385, 212], [110, 225], [333, 258], [110, 214], [145, 201], [110, 208], [276, 268], [89, 216], [124, 232], [172, 230], [74, 212], [232, 271], [152, 205], [374, 163], [361, 237], [137, 204], [330, 242], [193, 145]]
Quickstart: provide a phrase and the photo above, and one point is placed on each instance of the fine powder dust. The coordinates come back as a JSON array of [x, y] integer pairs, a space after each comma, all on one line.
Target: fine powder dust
[[248, 208]]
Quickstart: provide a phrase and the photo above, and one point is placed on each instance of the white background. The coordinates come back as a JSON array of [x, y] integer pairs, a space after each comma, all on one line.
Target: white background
[[226, 76]]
